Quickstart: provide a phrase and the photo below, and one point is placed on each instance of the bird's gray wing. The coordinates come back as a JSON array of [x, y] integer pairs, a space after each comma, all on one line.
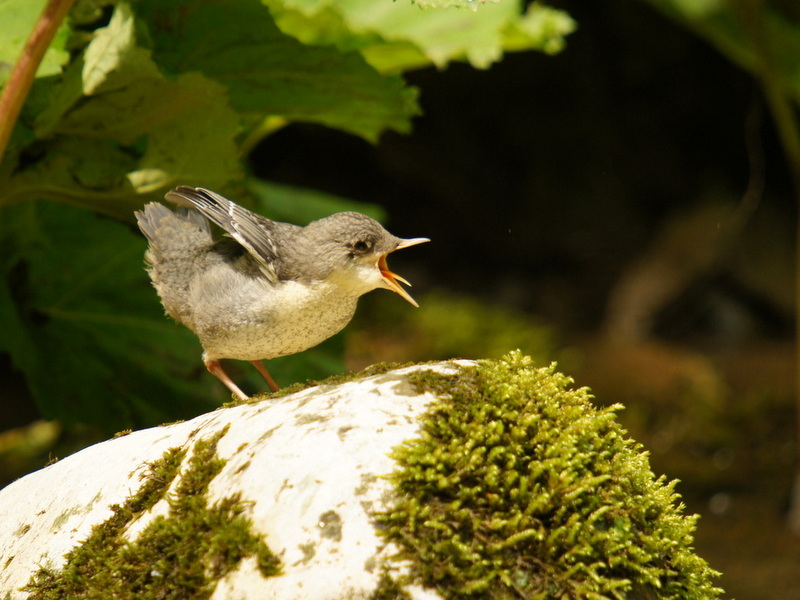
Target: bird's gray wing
[[258, 235]]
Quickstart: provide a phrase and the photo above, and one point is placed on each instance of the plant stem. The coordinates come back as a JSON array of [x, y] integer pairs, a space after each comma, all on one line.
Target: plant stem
[[22, 76]]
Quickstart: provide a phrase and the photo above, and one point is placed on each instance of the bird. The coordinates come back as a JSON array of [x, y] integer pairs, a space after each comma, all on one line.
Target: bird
[[263, 288]]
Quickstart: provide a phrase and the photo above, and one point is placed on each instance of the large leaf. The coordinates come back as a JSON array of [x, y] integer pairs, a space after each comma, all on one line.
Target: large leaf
[[116, 129], [16, 21], [81, 321], [155, 101], [268, 73], [396, 36], [301, 205], [174, 91]]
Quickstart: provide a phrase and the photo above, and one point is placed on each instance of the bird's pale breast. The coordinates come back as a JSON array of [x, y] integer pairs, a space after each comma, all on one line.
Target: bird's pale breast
[[264, 320]]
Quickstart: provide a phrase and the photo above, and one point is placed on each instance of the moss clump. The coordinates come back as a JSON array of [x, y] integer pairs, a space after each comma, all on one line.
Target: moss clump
[[389, 589], [519, 488], [178, 555]]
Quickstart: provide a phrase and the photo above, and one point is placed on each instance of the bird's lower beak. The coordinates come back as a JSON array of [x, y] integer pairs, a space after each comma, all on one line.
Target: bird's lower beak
[[391, 279]]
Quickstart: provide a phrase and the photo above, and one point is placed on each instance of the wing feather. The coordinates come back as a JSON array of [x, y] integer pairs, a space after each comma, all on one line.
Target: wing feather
[[258, 235]]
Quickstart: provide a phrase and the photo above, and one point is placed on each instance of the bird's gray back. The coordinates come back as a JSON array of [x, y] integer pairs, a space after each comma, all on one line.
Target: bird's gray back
[[262, 237]]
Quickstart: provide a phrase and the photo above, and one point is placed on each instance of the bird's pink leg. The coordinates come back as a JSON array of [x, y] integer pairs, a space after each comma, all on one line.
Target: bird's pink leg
[[215, 368], [265, 374]]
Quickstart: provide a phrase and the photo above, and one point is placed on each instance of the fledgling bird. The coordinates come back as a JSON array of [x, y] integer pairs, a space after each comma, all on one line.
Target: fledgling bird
[[267, 288]]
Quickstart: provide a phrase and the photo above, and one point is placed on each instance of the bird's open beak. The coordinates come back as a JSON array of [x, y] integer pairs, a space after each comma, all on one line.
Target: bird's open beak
[[391, 279]]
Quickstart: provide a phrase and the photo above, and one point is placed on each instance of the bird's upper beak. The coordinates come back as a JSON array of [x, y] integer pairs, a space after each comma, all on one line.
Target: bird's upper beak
[[391, 279]]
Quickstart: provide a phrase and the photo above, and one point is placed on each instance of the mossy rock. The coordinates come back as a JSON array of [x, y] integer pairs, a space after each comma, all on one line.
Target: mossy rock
[[180, 554], [518, 487], [494, 479]]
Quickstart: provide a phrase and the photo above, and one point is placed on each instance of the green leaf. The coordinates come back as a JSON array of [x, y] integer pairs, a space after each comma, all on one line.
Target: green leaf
[[16, 340], [268, 73], [117, 130], [395, 36], [16, 22], [174, 91], [85, 325], [104, 174], [302, 205]]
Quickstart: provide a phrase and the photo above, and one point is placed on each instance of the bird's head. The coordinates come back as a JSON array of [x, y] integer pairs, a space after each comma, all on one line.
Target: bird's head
[[353, 248]]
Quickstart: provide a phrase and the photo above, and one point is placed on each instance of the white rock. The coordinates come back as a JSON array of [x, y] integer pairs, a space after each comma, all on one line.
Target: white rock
[[310, 465]]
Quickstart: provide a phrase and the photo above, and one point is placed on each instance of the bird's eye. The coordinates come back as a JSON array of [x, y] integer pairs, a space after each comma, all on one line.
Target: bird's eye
[[361, 246]]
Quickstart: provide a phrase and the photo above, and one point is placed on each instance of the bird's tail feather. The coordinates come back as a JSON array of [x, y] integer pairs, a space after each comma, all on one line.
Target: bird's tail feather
[[173, 233], [176, 240]]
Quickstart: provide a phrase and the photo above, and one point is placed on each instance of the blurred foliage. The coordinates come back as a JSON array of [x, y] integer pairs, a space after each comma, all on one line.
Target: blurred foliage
[[81, 323], [136, 97], [26, 446], [448, 325], [761, 36], [461, 326], [17, 18], [152, 99], [39, 443], [301, 205], [716, 422]]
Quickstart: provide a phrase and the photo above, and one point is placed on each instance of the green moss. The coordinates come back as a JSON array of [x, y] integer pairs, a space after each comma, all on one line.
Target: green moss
[[389, 589], [178, 555], [519, 488]]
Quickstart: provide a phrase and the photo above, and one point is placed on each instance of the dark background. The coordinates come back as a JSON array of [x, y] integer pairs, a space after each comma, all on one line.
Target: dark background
[[551, 173]]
